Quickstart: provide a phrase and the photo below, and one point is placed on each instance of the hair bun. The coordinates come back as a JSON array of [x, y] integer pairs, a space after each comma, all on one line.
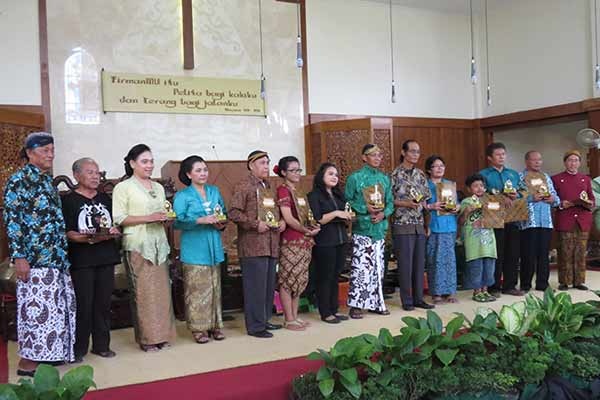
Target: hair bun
[[276, 169]]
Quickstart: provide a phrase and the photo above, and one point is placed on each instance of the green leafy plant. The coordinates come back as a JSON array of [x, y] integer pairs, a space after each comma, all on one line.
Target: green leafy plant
[[341, 364], [47, 385]]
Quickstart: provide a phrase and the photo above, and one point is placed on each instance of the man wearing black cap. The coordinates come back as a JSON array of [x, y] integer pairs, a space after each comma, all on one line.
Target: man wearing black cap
[[258, 245], [38, 249]]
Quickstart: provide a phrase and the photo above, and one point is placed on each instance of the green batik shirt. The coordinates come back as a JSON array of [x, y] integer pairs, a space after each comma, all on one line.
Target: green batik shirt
[[356, 182]]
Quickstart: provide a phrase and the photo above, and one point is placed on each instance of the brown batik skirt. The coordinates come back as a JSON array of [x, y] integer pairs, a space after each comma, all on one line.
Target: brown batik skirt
[[294, 260], [153, 320], [202, 294]]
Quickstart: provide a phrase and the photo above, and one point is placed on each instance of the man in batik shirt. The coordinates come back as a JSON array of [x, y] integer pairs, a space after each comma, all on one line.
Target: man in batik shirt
[[368, 233], [38, 249]]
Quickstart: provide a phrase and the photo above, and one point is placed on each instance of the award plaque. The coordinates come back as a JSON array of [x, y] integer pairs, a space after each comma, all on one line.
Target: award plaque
[[219, 214], [583, 200], [536, 183], [349, 210], [104, 225], [374, 196], [446, 193], [268, 212], [492, 212], [415, 195], [508, 187], [305, 214], [169, 210]]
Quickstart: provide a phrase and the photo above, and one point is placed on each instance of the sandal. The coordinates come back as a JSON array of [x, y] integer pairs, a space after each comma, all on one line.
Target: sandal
[[217, 334], [451, 299], [480, 297], [437, 299], [201, 337], [293, 326], [488, 297], [149, 348], [304, 323], [356, 313]]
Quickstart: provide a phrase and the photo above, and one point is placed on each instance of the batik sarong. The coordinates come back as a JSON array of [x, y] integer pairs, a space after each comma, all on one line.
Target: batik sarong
[[441, 263], [294, 260], [366, 276], [46, 315], [153, 320], [202, 296], [572, 257]]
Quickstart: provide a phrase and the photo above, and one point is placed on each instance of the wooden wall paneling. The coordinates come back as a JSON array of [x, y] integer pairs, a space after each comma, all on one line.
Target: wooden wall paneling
[[15, 125], [539, 114]]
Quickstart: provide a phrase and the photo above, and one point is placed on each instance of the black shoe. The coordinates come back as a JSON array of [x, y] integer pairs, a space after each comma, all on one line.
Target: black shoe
[[272, 327], [580, 287], [23, 372], [334, 320], [408, 307], [525, 290], [380, 312], [342, 317], [563, 287], [541, 288], [514, 292], [106, 354], [424, 305], [261, 334]]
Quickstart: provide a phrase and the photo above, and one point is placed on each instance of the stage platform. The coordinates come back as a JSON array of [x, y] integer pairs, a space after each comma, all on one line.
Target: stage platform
[[185, 357]]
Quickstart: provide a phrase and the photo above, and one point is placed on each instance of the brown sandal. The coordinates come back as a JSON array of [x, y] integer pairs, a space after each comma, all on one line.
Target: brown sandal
[[201, 337], [452, 300], [356, 313], [149, 348], [217, 334]]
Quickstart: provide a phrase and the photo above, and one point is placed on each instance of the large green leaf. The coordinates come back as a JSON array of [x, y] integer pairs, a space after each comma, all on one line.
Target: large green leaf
[[434, 322], [467, 338], [411, 322], [376, 367], [323, 373], [510, 319], [446, 356], [421, 337], [7, 393], [385, 337], [353, 387], [349, 374], [326, 387], [46, 378], [454, 325]]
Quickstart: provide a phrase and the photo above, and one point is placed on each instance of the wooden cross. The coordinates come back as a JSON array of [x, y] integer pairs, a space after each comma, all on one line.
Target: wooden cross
[[187, 20]]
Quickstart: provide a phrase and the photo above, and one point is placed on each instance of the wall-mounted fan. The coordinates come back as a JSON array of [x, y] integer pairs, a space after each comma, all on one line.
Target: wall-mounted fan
[[588, 138]]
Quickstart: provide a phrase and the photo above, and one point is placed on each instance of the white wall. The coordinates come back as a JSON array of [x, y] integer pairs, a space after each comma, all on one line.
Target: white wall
[[19, 53], [540, 54], [349, 60], [552, 141], [145, 37]]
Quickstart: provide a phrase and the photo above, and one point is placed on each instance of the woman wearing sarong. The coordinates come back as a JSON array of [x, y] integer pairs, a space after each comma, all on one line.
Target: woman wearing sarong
[[296, 242], [201, 218], [139, 206], [440, 259]]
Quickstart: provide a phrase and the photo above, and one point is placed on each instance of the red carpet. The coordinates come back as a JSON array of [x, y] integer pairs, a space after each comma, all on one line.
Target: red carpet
[[267, 381], [3, 361]]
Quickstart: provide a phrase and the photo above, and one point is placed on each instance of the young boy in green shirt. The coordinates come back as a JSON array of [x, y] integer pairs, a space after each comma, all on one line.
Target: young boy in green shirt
[[479, 242]]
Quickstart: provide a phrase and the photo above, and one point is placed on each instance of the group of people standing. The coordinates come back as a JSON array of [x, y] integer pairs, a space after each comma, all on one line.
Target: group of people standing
[[64, 252]]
